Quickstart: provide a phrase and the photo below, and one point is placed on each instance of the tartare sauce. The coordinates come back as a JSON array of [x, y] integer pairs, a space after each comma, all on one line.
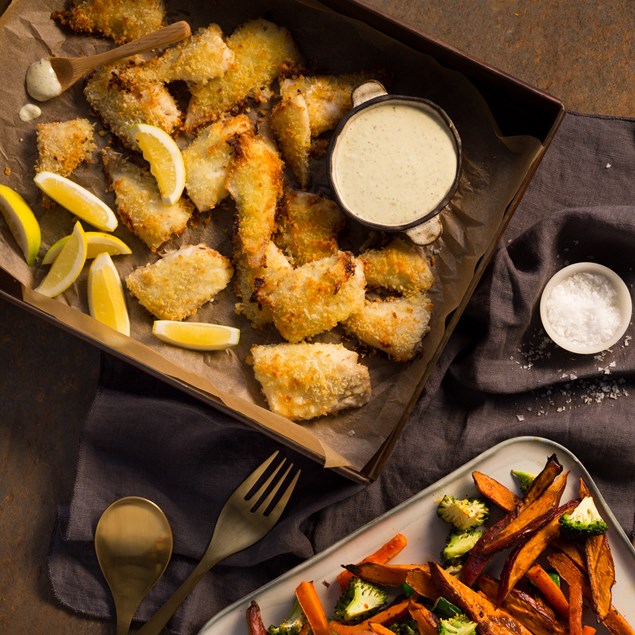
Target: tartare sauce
[[393, 163], [29, 112], [41, 81]]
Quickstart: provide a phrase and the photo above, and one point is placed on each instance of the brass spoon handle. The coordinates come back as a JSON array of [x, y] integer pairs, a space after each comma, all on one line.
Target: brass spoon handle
[[69, 70]]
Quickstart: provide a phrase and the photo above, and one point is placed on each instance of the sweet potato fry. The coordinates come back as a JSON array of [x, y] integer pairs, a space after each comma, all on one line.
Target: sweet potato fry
[[575, 607], [616, 623], [544, 480], [588, 630], [601, 571], [521, 560], [530, 518], [383, 574], [532, 611], [421, 581], [396, 611], [384, 554], [312, 608], [490, 619], [380, 629], [496, 492], [552, 592], [427, 621]]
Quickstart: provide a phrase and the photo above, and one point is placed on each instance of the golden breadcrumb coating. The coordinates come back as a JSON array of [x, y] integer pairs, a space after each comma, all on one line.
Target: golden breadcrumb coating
[[313, 298], [399, 266], [139, 203], [308, 226], [255, 183], [289, 121], [304, 381], [327, 97], [180, 283], [207, 161], [119, 20], [395, 325], [121, 99], [63, 145], [199, 58], [262, 51]]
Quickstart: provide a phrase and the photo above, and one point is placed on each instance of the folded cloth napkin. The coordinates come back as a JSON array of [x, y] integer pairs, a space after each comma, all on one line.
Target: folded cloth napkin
[[499, 377]]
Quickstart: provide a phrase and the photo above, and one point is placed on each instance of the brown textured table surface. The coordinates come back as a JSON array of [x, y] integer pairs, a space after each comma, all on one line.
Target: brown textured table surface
[[581, 52]]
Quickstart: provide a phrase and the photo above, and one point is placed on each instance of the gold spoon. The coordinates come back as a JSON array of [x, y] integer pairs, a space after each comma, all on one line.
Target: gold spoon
[[50, 77], [133, 541]]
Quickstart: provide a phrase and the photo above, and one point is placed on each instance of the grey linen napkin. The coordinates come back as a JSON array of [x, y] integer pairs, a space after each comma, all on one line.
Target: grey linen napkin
[[499, 377]]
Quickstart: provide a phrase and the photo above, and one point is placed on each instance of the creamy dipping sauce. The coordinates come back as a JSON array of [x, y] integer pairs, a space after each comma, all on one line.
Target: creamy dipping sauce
[[393, 163], [41, 81], [29, 112]]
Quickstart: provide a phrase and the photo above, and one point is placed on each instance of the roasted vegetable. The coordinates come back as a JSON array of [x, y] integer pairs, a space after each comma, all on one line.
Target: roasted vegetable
[[395, 612], [584, 520], [254, 620], [383, 574], [495, 492], [457, 625], [360, 600], [292, 625], [525, 479], [462, 513], [459, 543]]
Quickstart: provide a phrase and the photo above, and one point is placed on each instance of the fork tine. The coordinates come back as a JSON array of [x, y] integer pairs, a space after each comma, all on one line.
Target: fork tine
[[254, 477], [276, 512], [259, 495]]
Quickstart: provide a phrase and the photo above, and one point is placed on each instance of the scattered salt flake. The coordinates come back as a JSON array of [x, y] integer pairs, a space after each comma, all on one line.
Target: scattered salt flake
[[608, 165], [520, 417]]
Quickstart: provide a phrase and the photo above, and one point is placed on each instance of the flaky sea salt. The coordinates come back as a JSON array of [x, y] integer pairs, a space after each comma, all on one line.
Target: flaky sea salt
[[584, 309]]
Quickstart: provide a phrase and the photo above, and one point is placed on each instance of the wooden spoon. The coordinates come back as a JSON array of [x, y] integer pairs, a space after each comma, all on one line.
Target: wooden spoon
[[66, 71]]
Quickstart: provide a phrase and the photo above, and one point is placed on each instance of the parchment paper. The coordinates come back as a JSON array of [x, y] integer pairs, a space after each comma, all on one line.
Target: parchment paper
[[492, 174]]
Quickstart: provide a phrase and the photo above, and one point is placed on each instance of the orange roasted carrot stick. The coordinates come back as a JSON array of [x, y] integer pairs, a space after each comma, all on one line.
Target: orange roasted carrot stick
[[575, 607], [312, 608], [384, 554], [380, 629], [552, 592], [588, 630]]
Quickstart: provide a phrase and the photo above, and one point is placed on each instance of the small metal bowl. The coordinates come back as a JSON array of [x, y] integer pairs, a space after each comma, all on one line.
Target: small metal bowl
[[623, 303], [372, 94]]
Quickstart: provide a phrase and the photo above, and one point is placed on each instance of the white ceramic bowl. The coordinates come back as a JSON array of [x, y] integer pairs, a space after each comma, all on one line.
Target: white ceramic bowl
[[623, 302]]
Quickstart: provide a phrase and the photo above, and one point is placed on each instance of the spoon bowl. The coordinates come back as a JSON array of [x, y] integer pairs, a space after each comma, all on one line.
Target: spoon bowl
[[133, 542], [51, 76]]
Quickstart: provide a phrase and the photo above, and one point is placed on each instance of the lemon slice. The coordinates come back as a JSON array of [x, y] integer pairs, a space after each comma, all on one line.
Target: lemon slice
[[67, 266], [22, 222], [106, 300], [165, 159], [198, 336], [97, 242], [77, 199]]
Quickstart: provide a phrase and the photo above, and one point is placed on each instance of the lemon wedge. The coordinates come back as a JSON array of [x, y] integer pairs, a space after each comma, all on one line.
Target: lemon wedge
[[198, 336], [97, 242], [22, 222], [67, 266], [165, 159], [77, 199], [106, 300]]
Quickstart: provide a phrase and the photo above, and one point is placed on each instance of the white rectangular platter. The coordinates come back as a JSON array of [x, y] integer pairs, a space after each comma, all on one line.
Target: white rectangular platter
[[416, 518]]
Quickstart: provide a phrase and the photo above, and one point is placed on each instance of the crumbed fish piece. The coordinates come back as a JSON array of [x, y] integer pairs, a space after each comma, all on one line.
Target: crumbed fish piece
[[121, 99], [305, 381], [139, 203], [262, 51], [327, 97], [395, 325], [119, 20], [180, 283], [64, 145], [251, 284], [199, 58], [399, 267], [315, 297], [308, 226], [289, 121], [207, 160], [255, 182]]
